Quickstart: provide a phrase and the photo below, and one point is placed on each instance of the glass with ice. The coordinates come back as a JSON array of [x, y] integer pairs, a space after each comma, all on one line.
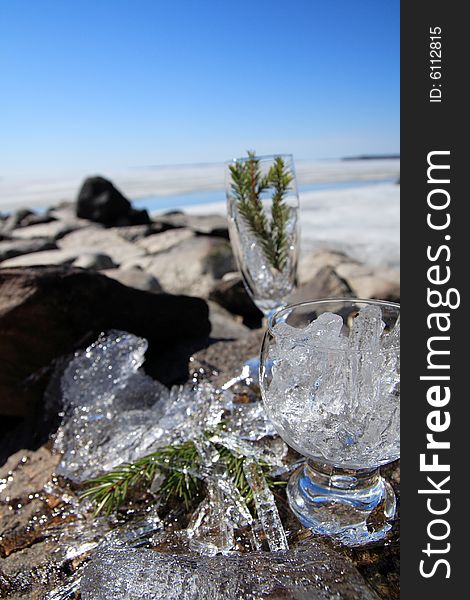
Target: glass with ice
[[330, 381]]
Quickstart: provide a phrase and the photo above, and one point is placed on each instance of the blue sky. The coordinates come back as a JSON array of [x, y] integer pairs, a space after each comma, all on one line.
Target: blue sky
[[111, 84]]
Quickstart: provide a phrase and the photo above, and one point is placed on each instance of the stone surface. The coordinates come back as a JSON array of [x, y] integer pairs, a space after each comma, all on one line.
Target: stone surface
[[214, 225], [98, 200], [14, 220], [160, 242], [371, 282], [12, 248], [224, 325], [191, 267], [94, 261], [44, 258], [104, 241], [231, 294], [135, 278], [326, 284], [48, 312], [363, 281], [53, 230]]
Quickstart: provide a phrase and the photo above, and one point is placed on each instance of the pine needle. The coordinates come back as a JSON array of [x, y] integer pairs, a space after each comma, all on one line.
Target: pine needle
[[247, 186]]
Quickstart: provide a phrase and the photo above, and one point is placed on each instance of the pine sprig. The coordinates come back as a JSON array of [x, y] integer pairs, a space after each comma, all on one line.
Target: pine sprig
[[178, 465], [110, 490], [247, 187]]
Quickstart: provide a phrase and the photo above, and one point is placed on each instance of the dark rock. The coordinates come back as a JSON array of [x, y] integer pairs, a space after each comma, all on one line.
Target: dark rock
[[12, 248], [46, 312], [98, 200], [231, 294]]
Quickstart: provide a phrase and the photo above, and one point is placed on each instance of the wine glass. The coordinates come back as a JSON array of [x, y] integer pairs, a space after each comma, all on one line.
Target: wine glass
[[330, 382], [262, 207]]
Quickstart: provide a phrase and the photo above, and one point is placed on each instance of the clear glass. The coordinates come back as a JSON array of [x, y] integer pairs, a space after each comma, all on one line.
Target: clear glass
[[267, 284], [330, 382]]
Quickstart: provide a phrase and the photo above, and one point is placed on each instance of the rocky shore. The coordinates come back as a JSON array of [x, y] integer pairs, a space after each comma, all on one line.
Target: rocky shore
[[96, 264]]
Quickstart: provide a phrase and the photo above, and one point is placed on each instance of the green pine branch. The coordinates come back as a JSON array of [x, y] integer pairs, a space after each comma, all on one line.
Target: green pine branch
[[247, 187], [177, 464]]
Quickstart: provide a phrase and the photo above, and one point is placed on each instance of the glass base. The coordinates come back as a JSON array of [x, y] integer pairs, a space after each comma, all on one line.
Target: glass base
[[353, 507]]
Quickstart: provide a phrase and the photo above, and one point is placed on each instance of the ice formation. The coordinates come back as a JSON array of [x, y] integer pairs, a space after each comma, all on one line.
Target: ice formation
[[335, 397], [114, 413]]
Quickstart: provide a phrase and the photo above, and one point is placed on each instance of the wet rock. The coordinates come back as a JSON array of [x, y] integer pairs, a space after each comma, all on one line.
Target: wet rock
[[135, 278], [12, 248], [98, 200], [231, 294], [94, 261], [315, 572], [47, 312]]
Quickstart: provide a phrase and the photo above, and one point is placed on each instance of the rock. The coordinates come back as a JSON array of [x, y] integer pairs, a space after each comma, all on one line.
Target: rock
[[231, 294], [94, 261], [48, 257], [160, 242], [223, 324], [47, 312], [12, 248], [54, 230], [364, 281], [213, 225], [310, 264], [326, 284], [226, 358], [371, 282], [133, 233], [190, 267], [104, 241], [135, 278], [98, 200], [15, 219], [36, 219]]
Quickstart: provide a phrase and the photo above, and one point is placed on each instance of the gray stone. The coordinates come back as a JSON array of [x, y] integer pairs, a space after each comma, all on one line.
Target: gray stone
[[48, 257], [104, 241], [214, 225], [224, 325], [190, 267], [14, 220], [12, 248], [53, 230], [135, 278], [326, 284], [160, 242], [94, 261], [231, 294], [310, 264], [371, 282]]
